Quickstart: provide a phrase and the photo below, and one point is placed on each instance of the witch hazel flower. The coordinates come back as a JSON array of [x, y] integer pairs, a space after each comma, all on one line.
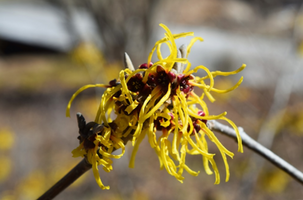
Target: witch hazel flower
[[157, 101]]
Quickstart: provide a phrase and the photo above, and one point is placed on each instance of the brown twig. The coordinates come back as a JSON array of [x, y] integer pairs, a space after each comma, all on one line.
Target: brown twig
[[85, 130]]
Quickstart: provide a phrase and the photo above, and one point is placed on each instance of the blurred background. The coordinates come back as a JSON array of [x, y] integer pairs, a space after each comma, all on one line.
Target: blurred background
[[50, 48]]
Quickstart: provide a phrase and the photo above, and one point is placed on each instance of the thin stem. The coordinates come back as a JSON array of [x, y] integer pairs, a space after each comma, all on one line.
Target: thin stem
[[259, 149], [67, 180]]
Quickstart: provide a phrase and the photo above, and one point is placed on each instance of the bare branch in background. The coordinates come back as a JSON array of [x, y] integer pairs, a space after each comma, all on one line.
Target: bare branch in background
[[259, 149], [118, 21], [271, 123]]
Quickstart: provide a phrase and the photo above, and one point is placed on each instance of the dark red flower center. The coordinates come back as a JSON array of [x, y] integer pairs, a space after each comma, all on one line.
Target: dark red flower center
[[135, 83]]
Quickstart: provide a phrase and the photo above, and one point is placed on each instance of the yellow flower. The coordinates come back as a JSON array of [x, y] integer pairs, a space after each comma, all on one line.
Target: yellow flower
[[158, 101]]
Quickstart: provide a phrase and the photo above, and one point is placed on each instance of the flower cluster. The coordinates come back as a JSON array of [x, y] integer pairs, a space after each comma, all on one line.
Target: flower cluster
[[158, 101]]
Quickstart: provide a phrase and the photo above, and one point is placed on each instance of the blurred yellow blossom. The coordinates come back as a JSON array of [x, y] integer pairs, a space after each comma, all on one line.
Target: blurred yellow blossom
[[7, 139], [157, 101], [8, 195], [6, 168], [88, 54], [274, 181], [32, 185]]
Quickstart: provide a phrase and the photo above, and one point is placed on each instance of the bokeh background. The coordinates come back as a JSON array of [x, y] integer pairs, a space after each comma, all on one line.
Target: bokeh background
[[49, 49]]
